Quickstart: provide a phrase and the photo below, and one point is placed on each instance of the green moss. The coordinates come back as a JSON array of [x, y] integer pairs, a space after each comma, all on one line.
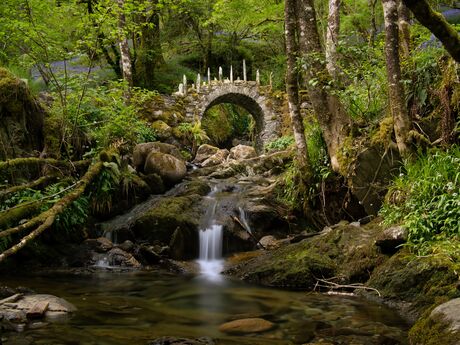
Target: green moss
[[12, 217], [293, 266], [418, 280], [168, 215], [346, 156], [427, 331]]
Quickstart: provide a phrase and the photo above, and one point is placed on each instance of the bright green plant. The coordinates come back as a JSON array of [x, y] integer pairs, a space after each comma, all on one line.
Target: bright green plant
[[280, 144], [426, 197]]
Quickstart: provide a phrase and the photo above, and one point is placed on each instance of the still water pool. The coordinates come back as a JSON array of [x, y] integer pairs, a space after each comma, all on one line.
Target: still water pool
[[137, 307]]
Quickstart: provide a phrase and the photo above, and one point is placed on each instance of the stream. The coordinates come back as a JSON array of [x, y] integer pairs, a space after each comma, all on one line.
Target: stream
[[135, 307]]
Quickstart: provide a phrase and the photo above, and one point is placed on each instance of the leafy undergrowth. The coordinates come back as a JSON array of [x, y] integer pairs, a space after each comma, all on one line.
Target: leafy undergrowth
[[426, 201]]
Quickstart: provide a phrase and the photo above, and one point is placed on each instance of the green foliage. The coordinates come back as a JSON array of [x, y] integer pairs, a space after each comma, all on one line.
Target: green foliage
[[363, 68], [73, 216], [226, 121], [425, 198], [104, 188], [280, 144]]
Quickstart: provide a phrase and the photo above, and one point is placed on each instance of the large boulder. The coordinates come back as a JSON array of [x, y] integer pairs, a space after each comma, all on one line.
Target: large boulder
[[141, 151], [168, 167], [218, 158], [204, 152], [242, 152], [173, 221], [449, 313]]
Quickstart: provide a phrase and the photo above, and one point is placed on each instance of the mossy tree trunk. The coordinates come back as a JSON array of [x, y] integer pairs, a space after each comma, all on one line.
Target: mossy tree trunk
[[398, 106], [292, 87], [334, 122], [404, 29], [126, 64], [436, 23], [332, 37]]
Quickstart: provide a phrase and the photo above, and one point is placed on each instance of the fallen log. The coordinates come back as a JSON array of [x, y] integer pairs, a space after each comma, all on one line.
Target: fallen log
[[47, 218], [44, 180], [12, 163]]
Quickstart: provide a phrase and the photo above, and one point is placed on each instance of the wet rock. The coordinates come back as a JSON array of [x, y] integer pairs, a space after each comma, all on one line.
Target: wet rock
[[196, 186], [245, 326], [182, 341], [204, 152], [263, 218], [168, 167], [100, 245], [448, 313], [15, 315], [218, 158], [242, 152], [118, 257], [149, 255], [170, 214], [391, 238], [269, 242], [127, 246], [141, 151]]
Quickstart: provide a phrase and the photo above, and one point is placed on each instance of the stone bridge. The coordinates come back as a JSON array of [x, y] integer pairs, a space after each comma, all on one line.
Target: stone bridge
[[256, 99]]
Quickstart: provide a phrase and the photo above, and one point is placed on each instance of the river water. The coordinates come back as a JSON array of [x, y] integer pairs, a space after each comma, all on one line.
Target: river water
[[135, 307]]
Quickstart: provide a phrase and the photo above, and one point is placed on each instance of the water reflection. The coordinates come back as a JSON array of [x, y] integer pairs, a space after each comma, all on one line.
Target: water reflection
[[134, 307]]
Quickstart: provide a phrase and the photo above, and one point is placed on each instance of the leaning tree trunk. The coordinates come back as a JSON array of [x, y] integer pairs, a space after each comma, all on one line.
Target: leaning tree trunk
[[398, 106], [332, 37], [436, 23], [126, 65], [328, 109], [404, 29], [292, 87]]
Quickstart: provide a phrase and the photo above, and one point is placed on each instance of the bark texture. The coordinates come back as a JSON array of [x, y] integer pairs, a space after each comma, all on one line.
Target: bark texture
[[436, 23], [328, 109], [126, 64], [332, 37], [404, 29], [396, 90], [292, 87]]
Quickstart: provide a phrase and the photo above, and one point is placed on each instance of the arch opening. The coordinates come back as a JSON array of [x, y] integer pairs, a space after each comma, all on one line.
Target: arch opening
[[243, 108]]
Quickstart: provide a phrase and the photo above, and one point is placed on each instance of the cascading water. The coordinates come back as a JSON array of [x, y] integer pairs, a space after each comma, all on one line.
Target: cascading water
[[211, 238]]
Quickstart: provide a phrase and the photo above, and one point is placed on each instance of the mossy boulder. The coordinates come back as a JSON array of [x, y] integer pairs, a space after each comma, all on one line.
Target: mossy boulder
[[169, 168], [21, 118], [295, 266], [418, 281], [162, 130], [141, 151], [169, 219]]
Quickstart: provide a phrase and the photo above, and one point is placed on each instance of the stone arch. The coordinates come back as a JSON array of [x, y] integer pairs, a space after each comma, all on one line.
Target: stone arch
[[247, 98]]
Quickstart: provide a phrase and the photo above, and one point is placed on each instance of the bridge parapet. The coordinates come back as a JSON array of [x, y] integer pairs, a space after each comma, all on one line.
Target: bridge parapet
[[250, 95]]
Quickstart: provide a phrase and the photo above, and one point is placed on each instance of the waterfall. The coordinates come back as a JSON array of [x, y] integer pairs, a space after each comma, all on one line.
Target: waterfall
[[210, 239], [244, 219]]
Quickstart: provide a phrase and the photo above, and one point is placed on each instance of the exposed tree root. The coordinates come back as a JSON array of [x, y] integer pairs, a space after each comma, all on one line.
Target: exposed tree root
[[47, 218]]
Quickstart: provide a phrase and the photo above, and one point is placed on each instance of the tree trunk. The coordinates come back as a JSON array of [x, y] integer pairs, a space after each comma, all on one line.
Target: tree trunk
[[126, 65], [398, 106], [404, 29], [332, 37], [373, 31], [150, 54], [292, 87], [436, 23], [328, 109]]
